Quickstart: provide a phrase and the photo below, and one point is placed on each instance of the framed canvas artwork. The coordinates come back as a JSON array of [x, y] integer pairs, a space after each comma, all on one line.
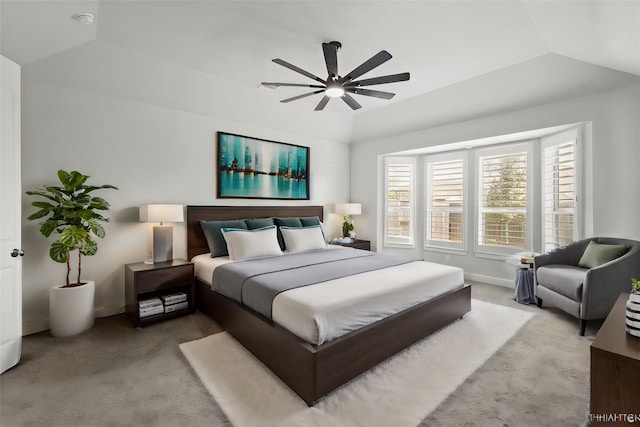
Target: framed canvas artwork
[[254, 168]]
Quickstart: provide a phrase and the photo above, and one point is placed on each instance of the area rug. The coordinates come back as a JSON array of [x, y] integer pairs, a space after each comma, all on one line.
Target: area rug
[[399, 392]]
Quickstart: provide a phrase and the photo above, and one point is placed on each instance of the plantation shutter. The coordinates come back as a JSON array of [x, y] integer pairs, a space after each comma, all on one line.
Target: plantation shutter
[[399, 201], [445, 203], [503, 200], [559, 193]]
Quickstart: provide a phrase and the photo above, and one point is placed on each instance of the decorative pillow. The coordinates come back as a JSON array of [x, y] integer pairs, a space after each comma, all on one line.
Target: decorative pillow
[[303, 239], [213, 233], [324, 232], [288, 222], [248, 244], [308, 221], [598, 253], [254, 223]]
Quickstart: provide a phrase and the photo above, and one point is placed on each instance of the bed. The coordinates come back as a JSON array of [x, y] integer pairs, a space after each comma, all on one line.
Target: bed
[[310, 370]]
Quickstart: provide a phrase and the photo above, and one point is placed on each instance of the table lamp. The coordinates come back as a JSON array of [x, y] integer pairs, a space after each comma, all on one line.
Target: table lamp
[[162, 234], [346, 210]]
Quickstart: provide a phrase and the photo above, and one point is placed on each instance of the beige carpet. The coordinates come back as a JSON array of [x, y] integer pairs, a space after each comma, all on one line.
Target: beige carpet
[[399, 392]]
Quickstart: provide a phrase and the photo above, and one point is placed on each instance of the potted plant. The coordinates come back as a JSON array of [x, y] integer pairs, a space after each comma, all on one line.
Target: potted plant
[[347, 226], [632, 319], [71, 212], [635, 290]]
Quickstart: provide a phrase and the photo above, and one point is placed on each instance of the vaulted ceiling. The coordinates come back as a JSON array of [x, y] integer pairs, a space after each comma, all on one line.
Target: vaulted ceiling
[[441, 43]]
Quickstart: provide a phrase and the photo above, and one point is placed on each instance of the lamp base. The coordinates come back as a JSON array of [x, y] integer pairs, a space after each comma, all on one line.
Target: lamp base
[[162, 243]]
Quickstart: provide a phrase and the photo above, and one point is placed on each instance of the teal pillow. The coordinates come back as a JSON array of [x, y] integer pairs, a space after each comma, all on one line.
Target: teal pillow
[[598, 253], [254, 223], [309, 221], [213, 233], [288, 222]]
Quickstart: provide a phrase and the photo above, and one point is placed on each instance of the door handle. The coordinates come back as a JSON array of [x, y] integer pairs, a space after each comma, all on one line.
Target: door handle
[[17, 252]]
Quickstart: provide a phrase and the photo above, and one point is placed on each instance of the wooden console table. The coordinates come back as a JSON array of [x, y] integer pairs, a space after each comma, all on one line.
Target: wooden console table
[[615, 371]]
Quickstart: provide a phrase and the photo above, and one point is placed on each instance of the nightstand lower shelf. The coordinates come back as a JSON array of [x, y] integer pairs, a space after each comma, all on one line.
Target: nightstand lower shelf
[[146, 281], [144, 321]]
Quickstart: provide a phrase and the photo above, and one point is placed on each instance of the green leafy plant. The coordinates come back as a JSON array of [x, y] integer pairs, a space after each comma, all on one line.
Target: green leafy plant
[[347, 226], [72, 212], [635, 285]]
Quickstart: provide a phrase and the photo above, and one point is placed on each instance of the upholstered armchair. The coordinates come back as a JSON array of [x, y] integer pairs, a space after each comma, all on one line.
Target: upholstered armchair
[[586, 293]]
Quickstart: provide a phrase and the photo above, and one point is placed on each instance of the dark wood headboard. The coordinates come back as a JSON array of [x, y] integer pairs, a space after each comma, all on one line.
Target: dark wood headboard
[[196, 242]]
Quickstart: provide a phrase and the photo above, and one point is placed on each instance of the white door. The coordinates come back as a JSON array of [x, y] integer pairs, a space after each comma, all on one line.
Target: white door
[[10, 189]]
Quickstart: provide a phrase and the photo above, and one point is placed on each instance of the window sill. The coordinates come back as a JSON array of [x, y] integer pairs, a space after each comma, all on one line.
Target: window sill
[[452, 251], [489, 255], [399, 246]]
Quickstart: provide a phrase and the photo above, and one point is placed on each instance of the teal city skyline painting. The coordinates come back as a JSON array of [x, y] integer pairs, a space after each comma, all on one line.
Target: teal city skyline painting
[[254, 168]]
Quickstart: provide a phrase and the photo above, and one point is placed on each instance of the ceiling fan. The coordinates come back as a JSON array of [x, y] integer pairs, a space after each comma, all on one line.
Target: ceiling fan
[[336, 86]]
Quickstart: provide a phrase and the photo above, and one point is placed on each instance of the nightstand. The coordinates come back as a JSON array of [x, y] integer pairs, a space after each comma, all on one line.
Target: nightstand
[[145, 281], [357, 244]]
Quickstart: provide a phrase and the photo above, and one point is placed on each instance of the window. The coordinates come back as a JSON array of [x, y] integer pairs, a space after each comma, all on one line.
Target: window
[[559, 180], [399, 201], [502, 199], [495, 199], [445, 197]]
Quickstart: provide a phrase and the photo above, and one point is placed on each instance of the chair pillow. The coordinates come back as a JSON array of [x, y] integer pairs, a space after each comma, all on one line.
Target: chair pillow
[[213, 233], [248, 244], [598, 253], [303, 239]]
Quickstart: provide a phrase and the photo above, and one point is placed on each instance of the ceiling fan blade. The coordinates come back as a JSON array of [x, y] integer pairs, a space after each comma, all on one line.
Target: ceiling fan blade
[[331, 59], [376, 60], [374, 93], [302, 96], [298, 70], [392, 78], [272, 85], [323, 102], [351, 102]]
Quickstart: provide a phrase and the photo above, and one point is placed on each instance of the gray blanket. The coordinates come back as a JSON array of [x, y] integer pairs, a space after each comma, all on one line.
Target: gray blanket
[[255, 283]]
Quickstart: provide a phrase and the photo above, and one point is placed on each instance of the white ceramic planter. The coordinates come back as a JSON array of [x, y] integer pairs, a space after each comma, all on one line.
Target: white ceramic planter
[[71, 309]]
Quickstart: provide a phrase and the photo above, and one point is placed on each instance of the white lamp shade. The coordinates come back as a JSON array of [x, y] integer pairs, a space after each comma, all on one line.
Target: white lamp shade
[[161, 213], [348, 208]]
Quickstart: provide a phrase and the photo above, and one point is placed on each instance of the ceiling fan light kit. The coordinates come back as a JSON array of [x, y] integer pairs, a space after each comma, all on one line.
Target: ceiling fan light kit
[[336, 86], [334, 90]]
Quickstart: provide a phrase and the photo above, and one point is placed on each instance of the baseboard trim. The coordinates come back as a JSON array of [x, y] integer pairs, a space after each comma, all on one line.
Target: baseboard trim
[[490, 280], [33, 326], [109, 310]]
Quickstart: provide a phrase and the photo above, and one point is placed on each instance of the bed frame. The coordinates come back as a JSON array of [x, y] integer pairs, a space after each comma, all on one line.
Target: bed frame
[[313, 371]]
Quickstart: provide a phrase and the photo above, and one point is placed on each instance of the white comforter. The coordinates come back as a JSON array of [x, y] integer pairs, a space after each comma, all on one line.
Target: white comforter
[[324, 311]]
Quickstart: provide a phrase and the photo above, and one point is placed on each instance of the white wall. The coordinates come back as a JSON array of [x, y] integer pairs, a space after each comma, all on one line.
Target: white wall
[[153, 152], [611, 170]]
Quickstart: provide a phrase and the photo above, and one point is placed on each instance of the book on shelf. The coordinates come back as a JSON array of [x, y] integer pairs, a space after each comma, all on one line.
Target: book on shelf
[[147, 309], [174, 298], [174, 307], [151, 311], [150, 302]]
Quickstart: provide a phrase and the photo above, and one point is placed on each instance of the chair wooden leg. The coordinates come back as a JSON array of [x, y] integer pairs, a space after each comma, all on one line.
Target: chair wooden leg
[[583, 327], [539, 302]]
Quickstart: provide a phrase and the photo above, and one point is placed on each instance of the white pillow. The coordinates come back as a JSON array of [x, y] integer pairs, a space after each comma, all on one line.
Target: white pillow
[[302, 239], [249, 244], [324, 232]]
